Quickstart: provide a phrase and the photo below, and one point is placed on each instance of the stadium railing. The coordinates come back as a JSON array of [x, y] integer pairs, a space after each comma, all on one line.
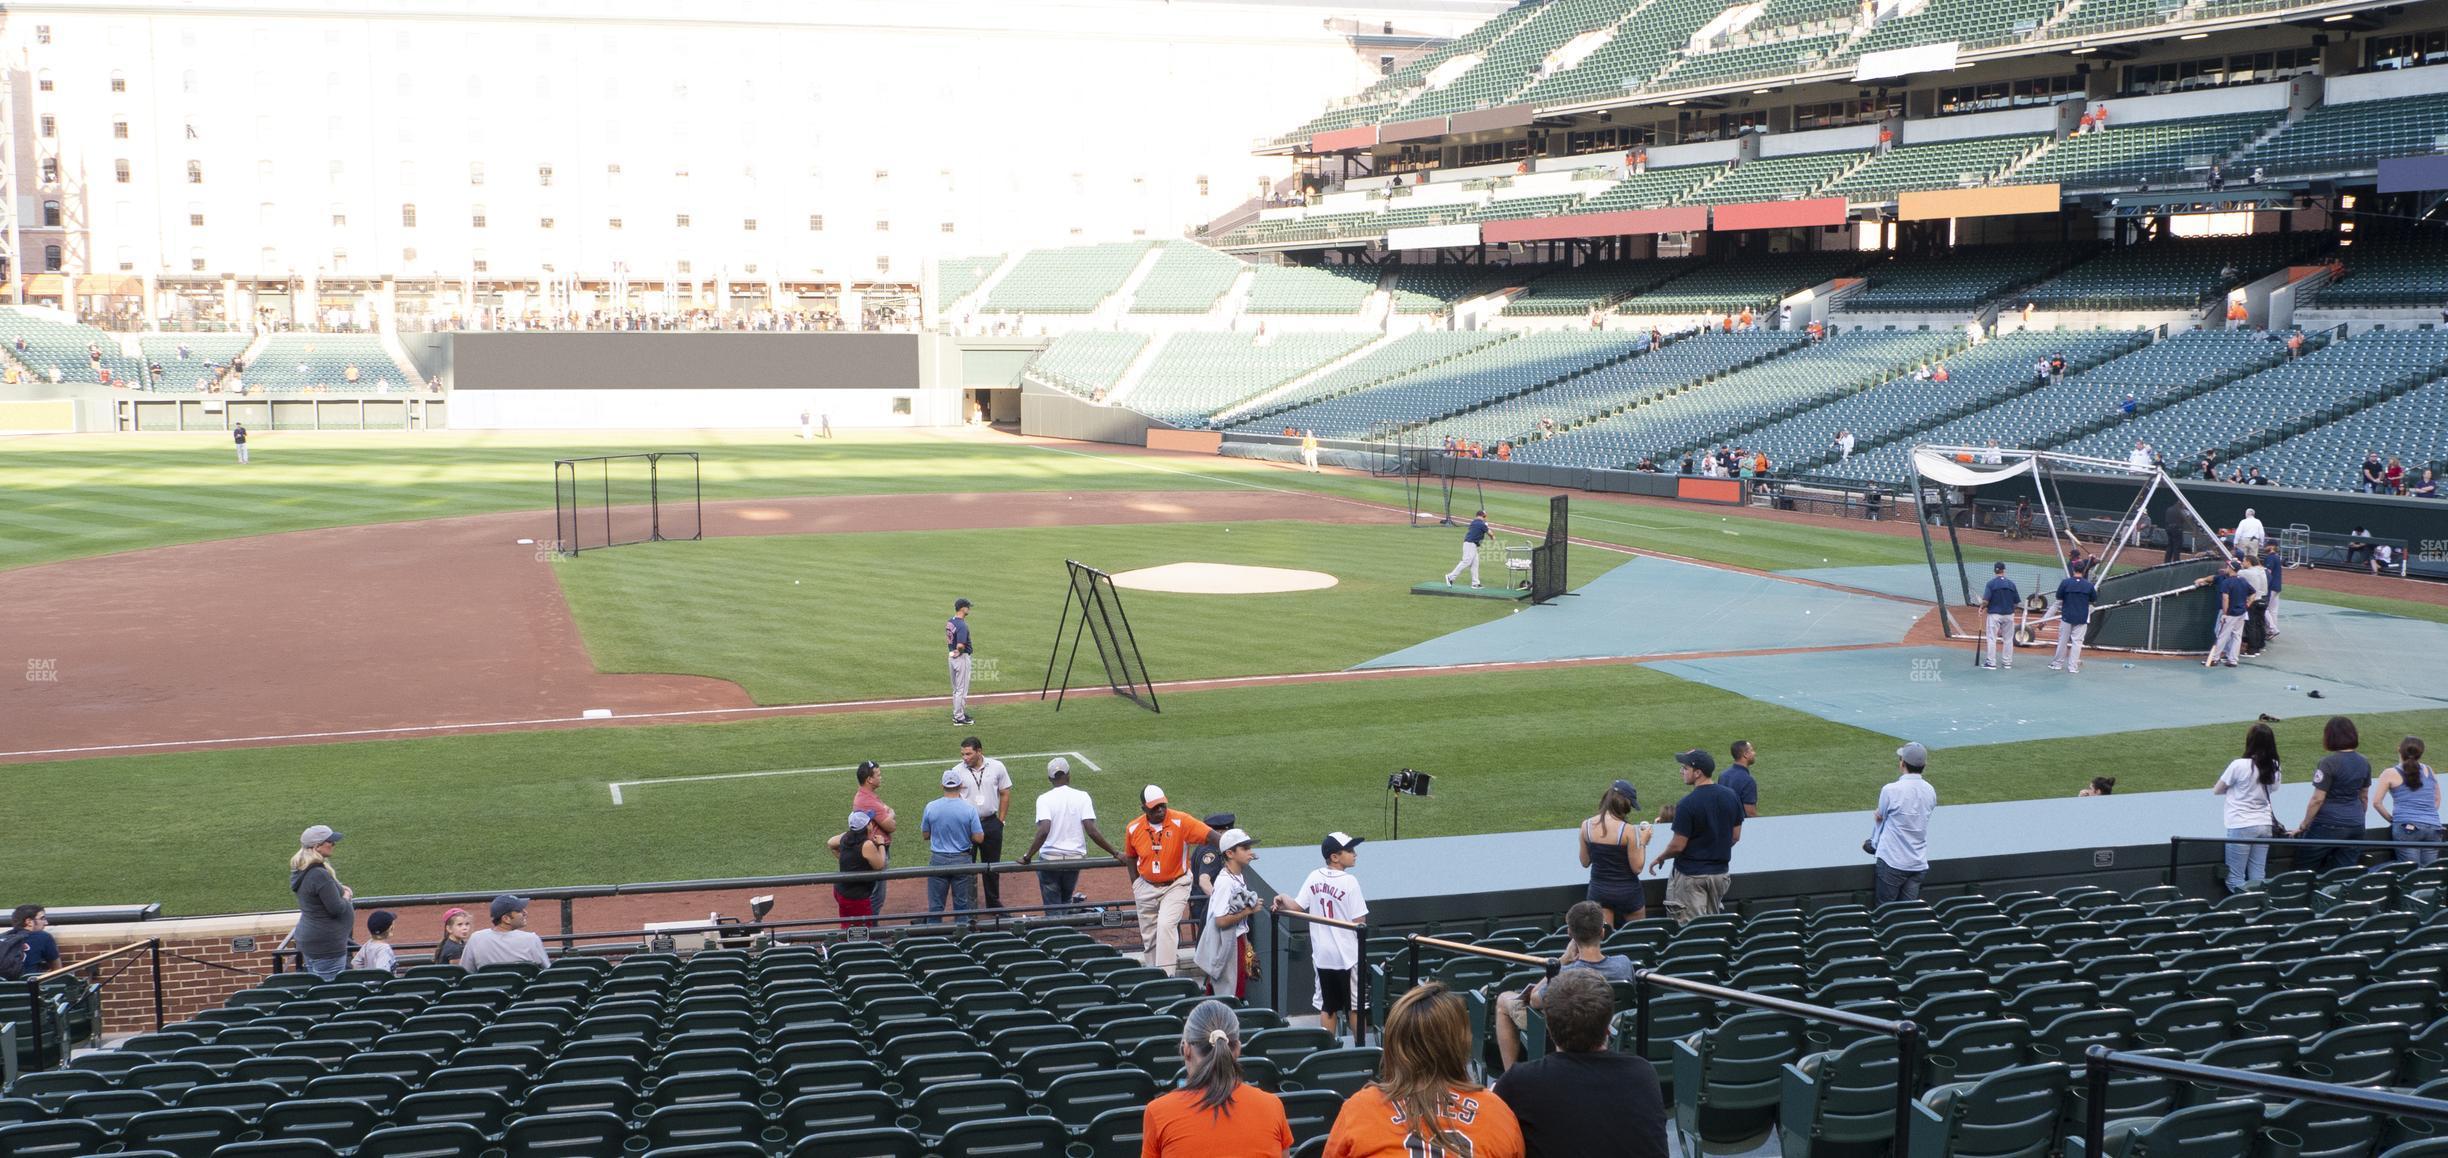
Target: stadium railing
[[2100, 1062], [1907, 1034], [2365, 843], [38, 1009], [1360, 987], [569, 895]]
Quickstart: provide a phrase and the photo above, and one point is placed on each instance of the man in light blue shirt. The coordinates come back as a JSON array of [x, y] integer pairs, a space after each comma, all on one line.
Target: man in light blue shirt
[[1902, 840], [952, 830]]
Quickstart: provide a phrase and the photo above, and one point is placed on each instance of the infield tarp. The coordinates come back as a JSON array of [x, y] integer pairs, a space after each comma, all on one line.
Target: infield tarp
[[1937, 696], [1653, 606]]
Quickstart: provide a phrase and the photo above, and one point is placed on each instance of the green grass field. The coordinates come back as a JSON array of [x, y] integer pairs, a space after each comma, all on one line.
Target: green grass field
[[210, 832], [861, 616]]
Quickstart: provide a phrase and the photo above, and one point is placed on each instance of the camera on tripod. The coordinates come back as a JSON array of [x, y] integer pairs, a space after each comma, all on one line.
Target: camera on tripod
[[1409, 783]]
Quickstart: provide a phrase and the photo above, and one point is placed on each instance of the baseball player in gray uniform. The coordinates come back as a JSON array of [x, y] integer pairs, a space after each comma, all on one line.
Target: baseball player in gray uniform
[[956, 641]]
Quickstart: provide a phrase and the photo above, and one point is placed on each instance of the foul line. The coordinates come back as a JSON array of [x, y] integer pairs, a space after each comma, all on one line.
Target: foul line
[[617, 785]]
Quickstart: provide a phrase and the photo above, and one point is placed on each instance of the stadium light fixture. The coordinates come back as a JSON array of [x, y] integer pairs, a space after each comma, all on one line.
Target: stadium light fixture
[[2082, 52], [2338, 17], [1761, 91], [1671, 104], [2194, 36]]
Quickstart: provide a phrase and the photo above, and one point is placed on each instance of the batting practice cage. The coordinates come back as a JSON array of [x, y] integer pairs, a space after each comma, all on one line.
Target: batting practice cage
[[1091, 594], [1428, 475], [2157, 608], [1550, 572], [617, 499]]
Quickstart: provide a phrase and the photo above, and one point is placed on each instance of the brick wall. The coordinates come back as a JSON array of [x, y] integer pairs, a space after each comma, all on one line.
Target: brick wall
[[197, 964]]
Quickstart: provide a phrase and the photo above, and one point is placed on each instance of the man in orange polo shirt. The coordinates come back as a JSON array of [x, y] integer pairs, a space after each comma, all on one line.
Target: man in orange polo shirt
[[1158, 846]]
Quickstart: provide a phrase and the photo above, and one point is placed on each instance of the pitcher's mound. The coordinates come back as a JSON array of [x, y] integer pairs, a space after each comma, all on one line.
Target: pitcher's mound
[[1222, 579]]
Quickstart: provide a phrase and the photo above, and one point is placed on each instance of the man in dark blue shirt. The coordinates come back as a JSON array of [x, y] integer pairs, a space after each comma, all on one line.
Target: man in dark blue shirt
[[1470, 550], [2276, 566], [956, 642], [1997, 631], [2074, 595], [1737, 779], [2234, 597], [1707, 824]]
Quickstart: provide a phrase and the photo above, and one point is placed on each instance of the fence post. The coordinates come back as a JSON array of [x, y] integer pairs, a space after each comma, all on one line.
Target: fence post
[[2175, 846], [1413, 942], [161, 1013], [1640, 1018], [1275, 959], [569, 924], [1360, 999], [2095, 1115], [1908, 1062], [35, 1010]]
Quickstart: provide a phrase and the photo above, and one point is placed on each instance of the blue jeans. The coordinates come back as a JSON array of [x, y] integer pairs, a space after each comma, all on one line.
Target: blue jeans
[[2247, 864], [2321, 860], [962, 890], [1895, 884], [325, 968], [2420, 856], [1055, 886]]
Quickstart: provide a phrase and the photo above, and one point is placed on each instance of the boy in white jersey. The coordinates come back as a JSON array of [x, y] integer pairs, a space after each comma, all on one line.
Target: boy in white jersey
[[1333, 892]]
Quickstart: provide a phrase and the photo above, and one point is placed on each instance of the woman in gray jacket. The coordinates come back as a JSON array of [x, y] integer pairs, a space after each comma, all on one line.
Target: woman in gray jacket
[[325, 915]]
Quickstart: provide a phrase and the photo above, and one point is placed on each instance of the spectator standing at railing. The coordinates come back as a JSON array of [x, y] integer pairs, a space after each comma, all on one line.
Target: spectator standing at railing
[[1225, 953], [1707, 826], [857, 850], [2427, 488], [1901, 840], [326, 915], [377, 953], [2408, 798], [1585, 926], [2339, 784], [952, 831], [2249, 783], [1334, 893], [1066, 822], [1552, 1096]]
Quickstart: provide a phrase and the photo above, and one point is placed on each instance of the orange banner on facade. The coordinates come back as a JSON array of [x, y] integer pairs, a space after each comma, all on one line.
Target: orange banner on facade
[[1630, 221], [1938, 204], [1709, 490], [1781, 214], [1339, 139], [1194, 441]]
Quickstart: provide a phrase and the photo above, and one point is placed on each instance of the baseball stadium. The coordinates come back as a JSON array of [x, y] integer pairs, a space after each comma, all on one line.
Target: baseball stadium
[[608, 582]]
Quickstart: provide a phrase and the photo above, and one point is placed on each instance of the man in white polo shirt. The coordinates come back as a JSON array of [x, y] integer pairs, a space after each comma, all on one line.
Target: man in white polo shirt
[[1066, 821], [987, 788]]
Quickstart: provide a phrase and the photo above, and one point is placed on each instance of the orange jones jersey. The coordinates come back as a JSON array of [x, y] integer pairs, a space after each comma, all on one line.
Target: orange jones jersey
[[1370, 1127]]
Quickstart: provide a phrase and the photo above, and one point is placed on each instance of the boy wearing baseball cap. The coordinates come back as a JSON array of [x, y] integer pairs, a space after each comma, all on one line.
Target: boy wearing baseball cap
[[1334, 952], [376, 952], [1225, 954]]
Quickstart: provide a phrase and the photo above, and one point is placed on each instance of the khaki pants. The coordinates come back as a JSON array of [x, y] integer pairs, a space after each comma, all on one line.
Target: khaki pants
[[1690, 896], [1161, 909]]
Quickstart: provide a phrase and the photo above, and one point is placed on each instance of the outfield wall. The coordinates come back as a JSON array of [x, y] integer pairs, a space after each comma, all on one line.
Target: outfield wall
[[682, 380]]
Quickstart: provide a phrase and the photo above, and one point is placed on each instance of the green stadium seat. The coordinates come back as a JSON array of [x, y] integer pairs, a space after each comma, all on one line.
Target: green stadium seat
[[2009, 1114]]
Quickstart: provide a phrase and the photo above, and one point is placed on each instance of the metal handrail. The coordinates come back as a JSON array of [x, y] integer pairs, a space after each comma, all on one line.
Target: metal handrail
[[1360, 986], [2176, 844], [1906, 1033], [2099, 1061], [34, 982], [1415, 940]]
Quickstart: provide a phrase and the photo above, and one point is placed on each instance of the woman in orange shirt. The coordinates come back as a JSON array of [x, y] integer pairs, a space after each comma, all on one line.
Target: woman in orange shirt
[[1423, 1104], [1214, 1113]]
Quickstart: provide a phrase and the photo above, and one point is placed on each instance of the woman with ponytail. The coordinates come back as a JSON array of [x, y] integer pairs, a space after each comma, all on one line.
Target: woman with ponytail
[[1215, 1113], [1424, 1101], [2408, 797]]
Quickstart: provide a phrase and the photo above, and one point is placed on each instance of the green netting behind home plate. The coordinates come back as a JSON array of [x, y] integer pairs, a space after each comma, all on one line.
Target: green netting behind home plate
[[2184, 621]]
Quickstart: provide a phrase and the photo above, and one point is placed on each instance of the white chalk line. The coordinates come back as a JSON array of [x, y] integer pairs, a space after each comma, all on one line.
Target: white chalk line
[[617, 785]]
